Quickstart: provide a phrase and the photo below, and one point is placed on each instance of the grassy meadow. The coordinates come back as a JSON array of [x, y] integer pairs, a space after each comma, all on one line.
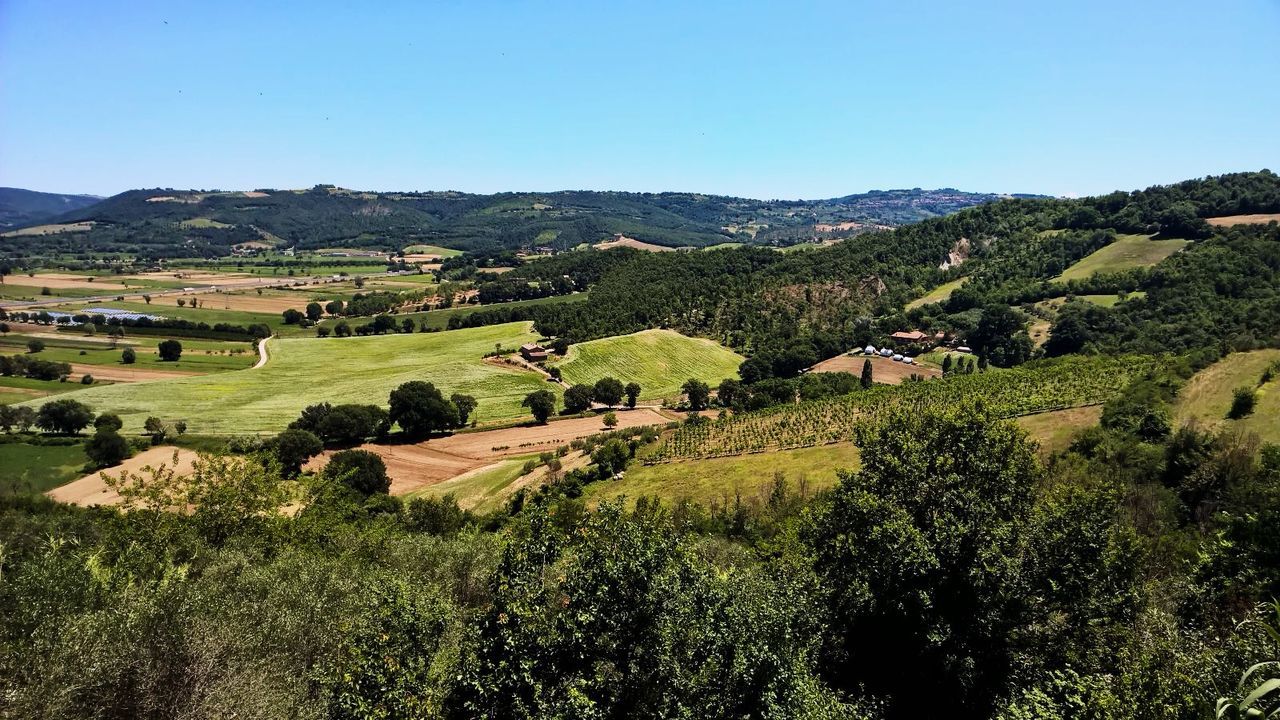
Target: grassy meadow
[[938, 294], [1126, 253], [304, 371], [1206, 398], [197, 355], [660, 360], [718, 479], [36, 468]]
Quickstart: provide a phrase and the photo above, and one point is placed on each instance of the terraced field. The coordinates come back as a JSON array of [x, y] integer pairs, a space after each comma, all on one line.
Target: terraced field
[[304, 371], [660, 360]]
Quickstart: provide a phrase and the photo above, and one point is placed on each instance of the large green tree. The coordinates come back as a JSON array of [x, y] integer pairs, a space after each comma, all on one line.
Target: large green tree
[[420, 409]]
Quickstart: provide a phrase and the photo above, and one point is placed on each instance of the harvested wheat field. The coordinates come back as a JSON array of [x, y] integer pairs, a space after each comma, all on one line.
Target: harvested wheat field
[[193, 276], [1229, 220], [92, 489], [124, 373], [883, 370], [63, 281], [271, 303], [415, 467]]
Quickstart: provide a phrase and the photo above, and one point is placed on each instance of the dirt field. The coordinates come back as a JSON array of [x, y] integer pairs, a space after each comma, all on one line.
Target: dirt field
[[57, 281], [632, 243], [92, 489], [413, 467], [1228, 220], [195, 277], [243, 301], [124, 374], [883, 370]]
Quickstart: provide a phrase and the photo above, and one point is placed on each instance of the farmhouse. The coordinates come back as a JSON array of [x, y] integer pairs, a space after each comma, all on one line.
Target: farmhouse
[[913, 336], [533, 352]]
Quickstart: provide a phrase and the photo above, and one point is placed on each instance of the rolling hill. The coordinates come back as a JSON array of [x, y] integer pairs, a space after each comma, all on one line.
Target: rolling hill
[[161, 222], [22, 208]]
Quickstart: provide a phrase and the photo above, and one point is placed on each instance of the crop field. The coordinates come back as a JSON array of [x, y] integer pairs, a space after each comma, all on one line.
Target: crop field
[[209, 312], [718, 479], [938, 294], [1206, 398], [304, 371], [1126, 253], [440, 318], [660, 360], [1034, 387], [36, 468], [443, 252], [198, 356], [481, 489]]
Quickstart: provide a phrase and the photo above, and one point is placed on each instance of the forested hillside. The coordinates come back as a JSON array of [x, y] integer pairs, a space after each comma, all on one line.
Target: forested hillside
[[20, 208], [161, 222], [789, 310]]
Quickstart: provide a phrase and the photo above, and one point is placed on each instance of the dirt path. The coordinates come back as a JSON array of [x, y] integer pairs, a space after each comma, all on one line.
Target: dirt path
[[92, 489], [262, 353]]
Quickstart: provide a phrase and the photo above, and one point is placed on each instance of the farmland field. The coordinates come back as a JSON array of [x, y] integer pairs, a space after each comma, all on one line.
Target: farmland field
[[201, 356], [37, 468], [1206, 398], [717, 479], [1034, 387], [660, 360], [301, 372], [1126, 253], [431, 250]]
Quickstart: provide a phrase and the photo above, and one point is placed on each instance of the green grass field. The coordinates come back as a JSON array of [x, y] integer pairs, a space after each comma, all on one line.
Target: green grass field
[[440, 318], [304, 371], [197, 355], [1206, 398], [717, 479], [1126, 253], [938, 294], [432, 250], [36, 468], [660, 360], [210, 313]]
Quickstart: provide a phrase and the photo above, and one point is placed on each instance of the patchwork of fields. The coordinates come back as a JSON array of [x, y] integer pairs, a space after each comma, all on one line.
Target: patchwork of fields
[[350, 370]]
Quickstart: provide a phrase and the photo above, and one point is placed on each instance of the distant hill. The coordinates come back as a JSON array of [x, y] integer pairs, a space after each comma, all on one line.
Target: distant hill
[[166, 222], [19, 208]]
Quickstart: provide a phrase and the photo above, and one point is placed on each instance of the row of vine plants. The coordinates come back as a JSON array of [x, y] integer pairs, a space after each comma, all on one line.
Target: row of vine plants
[[1035, 387]]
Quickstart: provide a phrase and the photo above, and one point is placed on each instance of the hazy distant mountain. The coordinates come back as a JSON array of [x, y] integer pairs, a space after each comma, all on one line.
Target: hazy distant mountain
[[164, 221], [20, 207]]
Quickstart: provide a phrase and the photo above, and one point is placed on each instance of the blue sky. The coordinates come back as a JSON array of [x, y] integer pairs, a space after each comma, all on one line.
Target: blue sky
[[759, 99]]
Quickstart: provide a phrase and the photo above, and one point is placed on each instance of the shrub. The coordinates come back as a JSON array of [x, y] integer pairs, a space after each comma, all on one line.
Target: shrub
[[1243, 401]]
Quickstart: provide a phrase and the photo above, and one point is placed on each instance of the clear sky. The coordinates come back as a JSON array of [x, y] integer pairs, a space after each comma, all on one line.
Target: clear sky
[[758, 99]]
